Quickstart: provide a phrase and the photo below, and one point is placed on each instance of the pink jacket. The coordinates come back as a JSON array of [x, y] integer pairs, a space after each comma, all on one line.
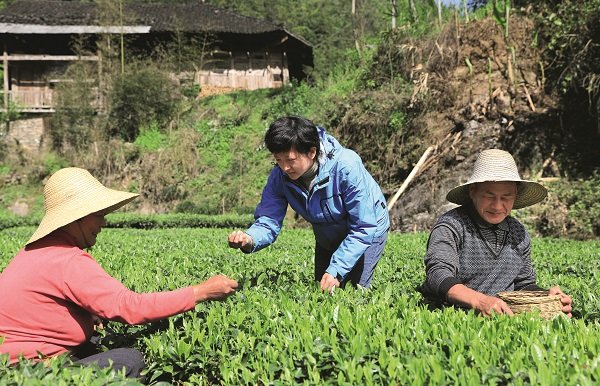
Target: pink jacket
[[51, 289]]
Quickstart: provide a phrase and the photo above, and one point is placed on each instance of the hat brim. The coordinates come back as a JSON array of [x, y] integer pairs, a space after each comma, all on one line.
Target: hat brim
[[109, 201], [528, 193]]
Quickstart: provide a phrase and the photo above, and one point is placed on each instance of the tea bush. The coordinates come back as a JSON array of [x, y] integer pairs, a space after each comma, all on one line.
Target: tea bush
[[280, 329]]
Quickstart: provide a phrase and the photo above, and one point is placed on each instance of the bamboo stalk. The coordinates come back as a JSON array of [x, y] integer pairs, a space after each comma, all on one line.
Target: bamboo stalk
[[410, 177], [531, 105]]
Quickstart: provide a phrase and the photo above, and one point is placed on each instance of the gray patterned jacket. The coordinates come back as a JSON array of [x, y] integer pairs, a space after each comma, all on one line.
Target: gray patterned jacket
[[459, 253]]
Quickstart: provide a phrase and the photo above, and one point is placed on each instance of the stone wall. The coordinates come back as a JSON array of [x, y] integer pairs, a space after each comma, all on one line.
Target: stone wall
[[28, 133]]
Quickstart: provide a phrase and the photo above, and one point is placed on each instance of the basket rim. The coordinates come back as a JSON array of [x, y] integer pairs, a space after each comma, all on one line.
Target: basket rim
[[527, 297]]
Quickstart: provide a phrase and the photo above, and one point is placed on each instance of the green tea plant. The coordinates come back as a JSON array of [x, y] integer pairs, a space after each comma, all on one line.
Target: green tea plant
[[280, 329], [140, 221], [61, 372]]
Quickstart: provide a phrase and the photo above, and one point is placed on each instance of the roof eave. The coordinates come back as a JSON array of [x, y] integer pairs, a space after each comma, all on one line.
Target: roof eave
[[300, 39], [14, 28]]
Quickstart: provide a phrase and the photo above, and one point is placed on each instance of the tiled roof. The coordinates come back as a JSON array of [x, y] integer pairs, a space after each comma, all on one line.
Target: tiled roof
[[186, 17]]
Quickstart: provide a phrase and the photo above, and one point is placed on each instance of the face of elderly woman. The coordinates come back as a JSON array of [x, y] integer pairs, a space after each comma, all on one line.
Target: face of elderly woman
[[86, 229], [294, 163], [493, 200]]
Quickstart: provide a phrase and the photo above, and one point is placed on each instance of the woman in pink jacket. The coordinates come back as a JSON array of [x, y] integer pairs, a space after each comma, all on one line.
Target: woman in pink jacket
[[58, 291]]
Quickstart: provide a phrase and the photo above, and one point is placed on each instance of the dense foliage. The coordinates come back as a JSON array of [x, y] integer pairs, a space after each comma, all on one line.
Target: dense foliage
[[139, 221], [60, 371], [572, 210], [372, 98], [279, 329], [570, 30], [141, 97], [332, 27], [177, 220]]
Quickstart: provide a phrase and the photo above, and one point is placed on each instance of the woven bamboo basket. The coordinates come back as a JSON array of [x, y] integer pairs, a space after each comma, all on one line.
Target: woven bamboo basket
[[549, 306]]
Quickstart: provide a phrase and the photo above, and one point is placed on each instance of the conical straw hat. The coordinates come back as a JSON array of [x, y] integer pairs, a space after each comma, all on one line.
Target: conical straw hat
[[498, 166], [73, 193]]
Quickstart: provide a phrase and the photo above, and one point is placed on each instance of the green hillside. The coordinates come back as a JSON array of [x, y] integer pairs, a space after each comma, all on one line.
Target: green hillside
[[512, 75]]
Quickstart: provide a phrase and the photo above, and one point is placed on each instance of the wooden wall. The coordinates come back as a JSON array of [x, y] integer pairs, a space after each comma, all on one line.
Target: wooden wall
[[246, 71]]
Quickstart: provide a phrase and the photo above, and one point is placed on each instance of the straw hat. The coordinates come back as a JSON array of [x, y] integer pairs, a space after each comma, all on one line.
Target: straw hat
[[73, 193], [497, 166]]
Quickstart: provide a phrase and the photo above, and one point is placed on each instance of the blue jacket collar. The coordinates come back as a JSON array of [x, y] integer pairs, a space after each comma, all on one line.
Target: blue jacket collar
[[330, 150]]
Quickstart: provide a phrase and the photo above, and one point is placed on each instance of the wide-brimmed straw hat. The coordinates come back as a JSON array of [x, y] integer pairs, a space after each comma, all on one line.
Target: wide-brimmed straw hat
[[498, 166], [73, 193]]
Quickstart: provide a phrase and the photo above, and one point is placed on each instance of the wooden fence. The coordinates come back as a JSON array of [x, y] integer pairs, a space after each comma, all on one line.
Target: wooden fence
[[41, 99]]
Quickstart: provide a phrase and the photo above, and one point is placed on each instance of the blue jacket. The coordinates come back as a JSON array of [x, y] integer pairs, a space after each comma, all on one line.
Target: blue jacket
[[345, 206]]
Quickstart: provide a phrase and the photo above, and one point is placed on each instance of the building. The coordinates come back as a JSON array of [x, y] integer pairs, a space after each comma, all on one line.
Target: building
[[37, 40]]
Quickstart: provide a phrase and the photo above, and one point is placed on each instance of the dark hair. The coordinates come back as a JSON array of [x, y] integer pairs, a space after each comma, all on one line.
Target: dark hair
[[292, 132]]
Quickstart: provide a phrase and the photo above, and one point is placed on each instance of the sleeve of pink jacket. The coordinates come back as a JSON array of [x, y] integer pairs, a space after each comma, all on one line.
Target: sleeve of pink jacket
[[87, 284]]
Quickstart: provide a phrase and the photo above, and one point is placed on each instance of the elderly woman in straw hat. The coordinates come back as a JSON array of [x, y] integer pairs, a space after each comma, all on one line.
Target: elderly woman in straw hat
[[477, 249], [58, 291]]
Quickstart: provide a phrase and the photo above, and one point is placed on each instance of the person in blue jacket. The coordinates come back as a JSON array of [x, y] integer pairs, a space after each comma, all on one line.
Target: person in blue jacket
[[330, 188]]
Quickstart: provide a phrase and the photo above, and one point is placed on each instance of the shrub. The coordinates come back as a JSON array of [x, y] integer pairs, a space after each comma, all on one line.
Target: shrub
[[141, 97], [571, 210], [177, 220], [150, 138], [74, 125], [295, 99], [59, 371], [11, 221]]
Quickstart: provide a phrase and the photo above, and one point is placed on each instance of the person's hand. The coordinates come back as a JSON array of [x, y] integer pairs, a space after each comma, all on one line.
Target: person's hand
[[329, 283], [564, 299], [483, 304], [241, 240], [489, 305], [216, 288]]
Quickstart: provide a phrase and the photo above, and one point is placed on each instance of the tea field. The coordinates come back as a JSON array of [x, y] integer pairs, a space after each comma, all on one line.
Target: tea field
[[279, 329]]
